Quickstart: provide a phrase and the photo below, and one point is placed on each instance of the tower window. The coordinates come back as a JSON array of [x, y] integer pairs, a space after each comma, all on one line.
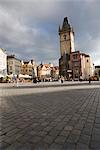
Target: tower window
[[64, 36], [75, 56]]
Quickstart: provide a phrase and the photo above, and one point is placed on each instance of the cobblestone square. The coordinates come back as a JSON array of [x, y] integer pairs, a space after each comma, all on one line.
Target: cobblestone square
[[50, 118]]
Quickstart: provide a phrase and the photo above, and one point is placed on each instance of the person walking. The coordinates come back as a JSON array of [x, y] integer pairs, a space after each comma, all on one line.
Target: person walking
[[62, 79], [17, 81], [89, 79]]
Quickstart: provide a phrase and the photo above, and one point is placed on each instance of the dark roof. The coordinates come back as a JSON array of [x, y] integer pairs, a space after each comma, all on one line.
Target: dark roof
[[75, 52], [86, 55], [12, 57], [65, 26], [97, 66], [26, 62]]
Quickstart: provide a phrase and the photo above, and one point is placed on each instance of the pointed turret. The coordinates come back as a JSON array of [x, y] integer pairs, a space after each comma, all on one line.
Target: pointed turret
[[59, 29], [66, 25]]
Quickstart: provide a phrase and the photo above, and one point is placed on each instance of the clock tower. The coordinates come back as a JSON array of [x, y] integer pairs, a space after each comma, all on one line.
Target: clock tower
[[66, 34]]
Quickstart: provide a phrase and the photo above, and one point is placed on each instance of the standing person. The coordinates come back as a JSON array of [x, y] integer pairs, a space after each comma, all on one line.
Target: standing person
[[89, 79], [14, 80], [62, 79], [17, 81]]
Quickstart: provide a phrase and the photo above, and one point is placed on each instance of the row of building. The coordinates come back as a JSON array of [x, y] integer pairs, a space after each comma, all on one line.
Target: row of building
[[10, 65], [73, 64]]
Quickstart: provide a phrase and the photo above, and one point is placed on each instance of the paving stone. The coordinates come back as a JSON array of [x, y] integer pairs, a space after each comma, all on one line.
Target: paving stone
[[95, 137], [4, 145], [85, 139], [96, 131], [69, 146], [49, 139], [19, 146], [60, 140], [95, 145], [68, 128], [76, 132], [73, 138], [81, 146], [54, 133], [41, 146], [47, 129], [35, 139], [42, 133], [55, 146], [65, 133]]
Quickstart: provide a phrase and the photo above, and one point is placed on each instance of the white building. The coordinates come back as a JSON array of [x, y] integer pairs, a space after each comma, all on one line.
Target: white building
[[3, 63], [86, 66], [13, 65]]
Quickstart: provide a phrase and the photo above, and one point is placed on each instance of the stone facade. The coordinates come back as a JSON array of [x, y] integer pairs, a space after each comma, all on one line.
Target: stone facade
[[3, 62], [29, 68], [66, 34], [97, 71], [82, 66], [13, 65]]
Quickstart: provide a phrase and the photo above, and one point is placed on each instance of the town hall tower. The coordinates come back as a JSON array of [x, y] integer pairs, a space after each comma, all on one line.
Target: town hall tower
[[66, 34]]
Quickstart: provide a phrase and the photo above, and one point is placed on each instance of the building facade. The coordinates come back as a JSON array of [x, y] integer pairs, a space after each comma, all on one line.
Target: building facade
[[44, 71], [76, 65], [3, 63], [66, 34], [82, 66], [48, 72], [29, 68], [97, 71], [55, 73], [13, 65]]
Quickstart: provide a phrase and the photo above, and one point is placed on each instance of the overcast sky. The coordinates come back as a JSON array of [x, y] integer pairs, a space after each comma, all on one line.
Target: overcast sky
[[29, 28]]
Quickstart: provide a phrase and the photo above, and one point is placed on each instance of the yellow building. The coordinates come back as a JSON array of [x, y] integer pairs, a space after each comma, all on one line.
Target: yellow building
[[29, 68]]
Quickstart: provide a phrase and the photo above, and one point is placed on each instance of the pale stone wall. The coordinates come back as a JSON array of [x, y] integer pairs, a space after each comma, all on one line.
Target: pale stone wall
[[72, 42], [14, 66], [66, 45], [3, 62], [88, 66]]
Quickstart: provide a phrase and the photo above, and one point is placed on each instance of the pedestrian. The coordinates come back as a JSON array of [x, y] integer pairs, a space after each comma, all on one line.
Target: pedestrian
[[17, 81], [14, 80], [62, 79], [89, 79]]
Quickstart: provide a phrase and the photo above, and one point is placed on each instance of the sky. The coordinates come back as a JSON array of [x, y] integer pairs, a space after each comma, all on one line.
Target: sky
[[29, 28]]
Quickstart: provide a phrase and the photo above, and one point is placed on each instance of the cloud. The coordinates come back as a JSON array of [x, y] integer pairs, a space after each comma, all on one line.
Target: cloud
[[30, 28]]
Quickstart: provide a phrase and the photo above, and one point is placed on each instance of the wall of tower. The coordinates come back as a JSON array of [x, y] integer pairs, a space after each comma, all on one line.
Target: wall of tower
[[65, 44], [72, 42]]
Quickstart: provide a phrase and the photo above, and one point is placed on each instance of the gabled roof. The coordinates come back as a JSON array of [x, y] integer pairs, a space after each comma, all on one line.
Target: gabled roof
[[3, 50]]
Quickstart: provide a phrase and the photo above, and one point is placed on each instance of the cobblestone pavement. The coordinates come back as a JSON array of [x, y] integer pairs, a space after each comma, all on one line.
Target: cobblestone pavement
[[67, 118]]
